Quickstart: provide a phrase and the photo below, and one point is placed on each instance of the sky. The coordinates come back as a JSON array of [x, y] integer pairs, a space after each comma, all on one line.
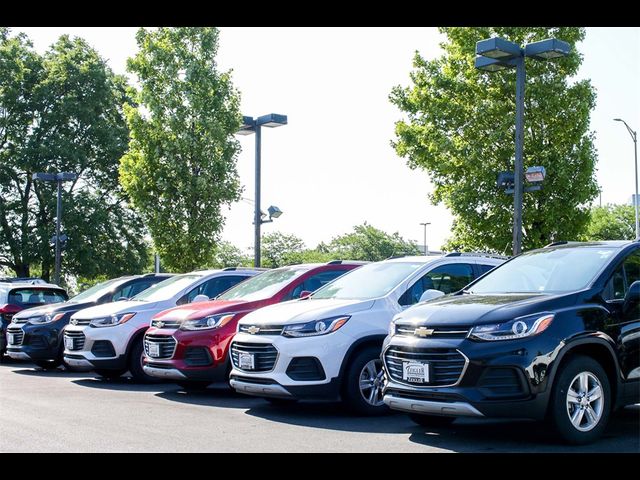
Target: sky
[[333, 167]]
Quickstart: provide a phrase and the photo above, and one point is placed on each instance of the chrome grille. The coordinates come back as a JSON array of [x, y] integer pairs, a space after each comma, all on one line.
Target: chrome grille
[[262, 329], [264, 355], [166, 323], [15, 336], [435, 332], [21, 321], [166, 346], [446, 364], [76, 337]]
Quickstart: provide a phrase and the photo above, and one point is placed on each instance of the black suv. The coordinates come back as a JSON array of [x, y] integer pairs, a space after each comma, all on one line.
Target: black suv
[[36, 333], [551, 334]]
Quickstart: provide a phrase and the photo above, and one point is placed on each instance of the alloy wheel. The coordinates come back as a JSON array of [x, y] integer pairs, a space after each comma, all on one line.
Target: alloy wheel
[[585, 402], [371, 380]]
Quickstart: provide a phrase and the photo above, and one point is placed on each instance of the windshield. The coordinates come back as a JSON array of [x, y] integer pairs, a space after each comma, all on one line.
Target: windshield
[[166, 289], [263, 286], [369, 281], [94, 293], [557, 270]]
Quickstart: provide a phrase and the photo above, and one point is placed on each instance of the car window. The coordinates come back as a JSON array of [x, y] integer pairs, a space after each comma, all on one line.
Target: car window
[[131, 290], [29, 297], [214, 287], [314, 282], [446, 278], [484, 268], [623, 277]]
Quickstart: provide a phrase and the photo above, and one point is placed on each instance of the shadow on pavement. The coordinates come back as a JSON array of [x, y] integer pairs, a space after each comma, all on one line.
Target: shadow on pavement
[[622, 435], [214, 396], [331, 416], [122, 384]]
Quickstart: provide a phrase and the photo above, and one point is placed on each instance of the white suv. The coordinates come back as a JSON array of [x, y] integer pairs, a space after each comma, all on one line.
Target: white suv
[[327, 346], [108, 338]]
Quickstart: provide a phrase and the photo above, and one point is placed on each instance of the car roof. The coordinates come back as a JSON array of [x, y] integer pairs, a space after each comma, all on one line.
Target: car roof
[[13, 286], [426, 259], [600, 243]]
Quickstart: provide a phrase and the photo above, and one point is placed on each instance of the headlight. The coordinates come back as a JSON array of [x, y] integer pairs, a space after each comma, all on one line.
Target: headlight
[[518, 328], [48, 318], [112, 320], [315, 327], [207, 323]]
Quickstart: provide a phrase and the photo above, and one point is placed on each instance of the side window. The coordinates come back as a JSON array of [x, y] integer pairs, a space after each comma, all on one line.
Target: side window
[[446, 278], [214, 287], [138, 287], [623, 277], [314, 282], [485, 268], [122, 292]]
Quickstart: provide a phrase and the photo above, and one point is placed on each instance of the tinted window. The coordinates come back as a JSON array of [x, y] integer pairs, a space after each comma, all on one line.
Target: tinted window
[[485, 268], [131, 290], [623, 277], [29, 297], [167, 288], [94, 293], [446, 278], [314, 282], [214, 287], [553, 270]]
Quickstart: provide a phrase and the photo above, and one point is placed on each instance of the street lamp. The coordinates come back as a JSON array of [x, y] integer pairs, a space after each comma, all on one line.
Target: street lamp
[[424, 224], [58, 178], [494, 54], [634, 137], [254, 125]]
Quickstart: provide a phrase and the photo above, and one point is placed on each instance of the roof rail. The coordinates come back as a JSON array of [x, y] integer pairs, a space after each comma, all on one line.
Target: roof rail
[[231, 269], [340, 262], [555, 244], [152, 274], [476, 254], [31, 280]]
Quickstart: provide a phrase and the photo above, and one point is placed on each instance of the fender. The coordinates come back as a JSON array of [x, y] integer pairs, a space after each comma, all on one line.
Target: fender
[[138, 334], [372, 339]]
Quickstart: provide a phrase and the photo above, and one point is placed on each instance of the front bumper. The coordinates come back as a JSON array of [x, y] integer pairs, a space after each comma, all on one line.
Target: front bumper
[[499, 379], [329, 350], [86, 356], [39, 342]]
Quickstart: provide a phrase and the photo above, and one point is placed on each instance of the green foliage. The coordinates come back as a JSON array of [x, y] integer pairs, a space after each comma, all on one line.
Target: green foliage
[[460, 128], [228, 255], [62, 112], [181, 165], [280, 249], [369, 243], [611, 222]]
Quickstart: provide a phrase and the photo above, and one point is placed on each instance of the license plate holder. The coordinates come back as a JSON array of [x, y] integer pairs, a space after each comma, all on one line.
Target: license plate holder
[[68, 343], [154, 350], [246, 361], [415, 372]]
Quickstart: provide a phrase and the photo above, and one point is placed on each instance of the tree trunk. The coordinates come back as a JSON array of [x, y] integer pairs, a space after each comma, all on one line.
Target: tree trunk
[[21, 269]]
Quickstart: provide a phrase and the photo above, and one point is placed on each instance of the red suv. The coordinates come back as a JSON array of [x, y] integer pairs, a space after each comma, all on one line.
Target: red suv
[[189, 344]]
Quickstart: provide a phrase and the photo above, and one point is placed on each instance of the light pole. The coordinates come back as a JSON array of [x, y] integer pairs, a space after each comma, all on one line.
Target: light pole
[[58, 178], [494, 54], [634, 137], [424, 224], [254, 125]]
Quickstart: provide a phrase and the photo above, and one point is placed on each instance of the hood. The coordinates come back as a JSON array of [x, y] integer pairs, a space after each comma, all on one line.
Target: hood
[[114, 307], [470, 309], [296, 311], [204, 309], [53, 308]]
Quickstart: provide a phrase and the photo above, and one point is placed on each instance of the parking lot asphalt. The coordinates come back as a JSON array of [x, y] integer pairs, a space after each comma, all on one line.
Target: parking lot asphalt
[[64, 411]]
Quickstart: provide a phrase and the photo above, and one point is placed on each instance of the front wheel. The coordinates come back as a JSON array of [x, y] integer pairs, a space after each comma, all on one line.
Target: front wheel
[[136, 361], [580, 401], [363, 383]]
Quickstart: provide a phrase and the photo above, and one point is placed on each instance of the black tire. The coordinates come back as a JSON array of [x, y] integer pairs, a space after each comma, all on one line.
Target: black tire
[[48, 364], [558, 412], [109, 374], [351, 394], [136, 356], [281, 402], [431, 420], [195, 386]]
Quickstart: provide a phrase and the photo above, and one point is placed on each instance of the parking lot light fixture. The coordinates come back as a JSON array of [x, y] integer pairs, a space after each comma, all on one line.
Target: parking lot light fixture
[[254, 125], [496, 54], [535, 174], [636, 200]]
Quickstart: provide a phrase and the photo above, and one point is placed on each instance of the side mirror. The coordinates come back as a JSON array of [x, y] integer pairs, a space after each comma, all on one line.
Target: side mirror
[[200, 298], [430, 295], [632, 298], [305, 293]]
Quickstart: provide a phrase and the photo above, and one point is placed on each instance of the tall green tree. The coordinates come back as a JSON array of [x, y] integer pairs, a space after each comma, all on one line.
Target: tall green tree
[[611, 222], [62, 112], [369, 243], [180, 169], [459, 128], [278, 249]]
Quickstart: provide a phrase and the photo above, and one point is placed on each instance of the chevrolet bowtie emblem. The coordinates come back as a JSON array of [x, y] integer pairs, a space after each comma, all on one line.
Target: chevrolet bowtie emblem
[[73, 321], [423, 331], [253, 329], [159, 324]]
